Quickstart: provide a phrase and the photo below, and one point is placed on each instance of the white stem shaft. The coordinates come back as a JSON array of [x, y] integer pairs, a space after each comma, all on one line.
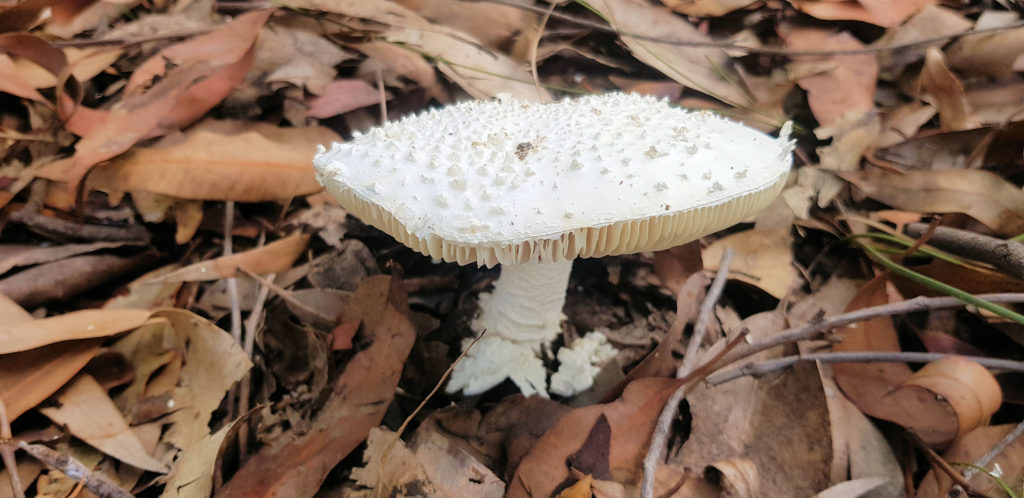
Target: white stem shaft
[[526, 305]]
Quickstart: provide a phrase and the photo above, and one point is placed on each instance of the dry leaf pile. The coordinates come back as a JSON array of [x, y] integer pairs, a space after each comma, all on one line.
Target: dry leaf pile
[[183, 312]]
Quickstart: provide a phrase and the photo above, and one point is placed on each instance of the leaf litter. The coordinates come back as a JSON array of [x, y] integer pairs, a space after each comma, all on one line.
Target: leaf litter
[[176, 346]]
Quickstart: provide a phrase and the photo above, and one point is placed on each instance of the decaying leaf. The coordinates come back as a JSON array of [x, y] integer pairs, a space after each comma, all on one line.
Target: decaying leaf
[[357, 403], [761, 258], [938, 403], [87, 412], [274, 257], [980, 194], [836, 85], [29, 377], [83, 324], [1008, 465]]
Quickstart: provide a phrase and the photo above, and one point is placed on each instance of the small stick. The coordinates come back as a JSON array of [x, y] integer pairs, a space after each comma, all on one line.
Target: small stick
[[1005, 255], [96, 482], [815, 328], [942, 465], [704, 316], [232, 287], [760, 368], [284, 294], [245, 387], [7, 452], [999, 447], [659, 440]]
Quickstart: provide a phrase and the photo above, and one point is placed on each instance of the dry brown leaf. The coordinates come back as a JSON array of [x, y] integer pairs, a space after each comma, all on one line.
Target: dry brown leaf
[[981, 195], [274, 257], [675, 265], [11, 312], [84, 63], [737, 476], [631, 417], [219, 160], [452, 470], [479, 71], [82, 324], [399, 61], [945, 91], [341, 96], [357, 402], [13, 83], [761, 258], [969, 388], [877, 388], [493, 24], [144, 293], [931, 21], [29, 377], [881, 12], [836, 85], [15, 255], [706, 8], [193, 473], [1009, 464], [400, 474], [997, 54], [708, 71], [87, 412], [296, 55], [213, 363]]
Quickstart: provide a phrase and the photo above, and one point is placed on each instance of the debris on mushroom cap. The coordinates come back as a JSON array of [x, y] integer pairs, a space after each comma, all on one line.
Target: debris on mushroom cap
[[507, 181], [580, 363]]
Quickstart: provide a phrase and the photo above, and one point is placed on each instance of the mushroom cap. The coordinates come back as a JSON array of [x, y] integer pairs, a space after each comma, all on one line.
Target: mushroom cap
[[508, 181]]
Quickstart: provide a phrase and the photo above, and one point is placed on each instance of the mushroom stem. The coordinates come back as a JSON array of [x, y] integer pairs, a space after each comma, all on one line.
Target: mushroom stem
[[526, 305]]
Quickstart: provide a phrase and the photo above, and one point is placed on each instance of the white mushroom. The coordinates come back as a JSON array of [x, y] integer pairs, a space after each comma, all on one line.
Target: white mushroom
[[537, 185]]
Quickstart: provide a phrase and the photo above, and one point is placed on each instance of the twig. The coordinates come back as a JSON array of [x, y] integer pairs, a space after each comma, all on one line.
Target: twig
[[760, 368], [96, 482], [587, 23], [244, 390], [942, 465], [383, 104], [232, 287], [7, 452], [659, 440], [286, 295], [999, 447], [1006, 255], [704, 315], [536, 45], [408, 420], [815, 328]]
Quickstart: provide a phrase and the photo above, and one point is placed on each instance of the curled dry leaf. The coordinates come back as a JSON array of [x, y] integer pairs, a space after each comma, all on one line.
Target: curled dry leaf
[[674, 265], [1009, 463], [948, 401], [967, 386], [219, 160], [997, 54], [87, 412], [979, 194], [82, 324], [761, 258], [274, 257], [737, 476], [945, 91]]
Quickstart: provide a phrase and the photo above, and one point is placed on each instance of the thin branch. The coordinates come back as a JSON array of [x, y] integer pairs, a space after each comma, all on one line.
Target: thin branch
[[7, 452], [598, 26], [704, 315], [244, 390], [232, 287], [286, 295], [1006, 255], [813, 329], [999, 447], [96, 482], [760, 368], [941, 465], [659, 440]]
